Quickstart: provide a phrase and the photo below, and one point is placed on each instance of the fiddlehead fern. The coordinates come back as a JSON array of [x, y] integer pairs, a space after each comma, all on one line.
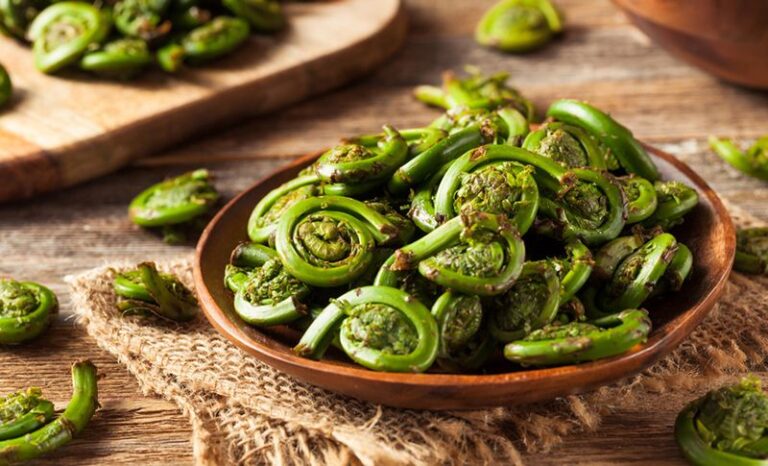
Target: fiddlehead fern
[[263, 220], [214, 39], [752, 162], [328, 241], [122, 58], [586, 204], [6, 87], [530, 303], [270, 296], [174, 204], [623, 145], [464, 340], [752, 250], [636, 275], [381, 328], [726, 426], [61, 430], [22, 412], [580, 341], [574, 270], [26, 310], [355, 163], [675, 200], [145, 290], [142, 19], [63, 32], [476, 91], [16, 16], [641, 197], [262, 15], [518, 25], [478, 254], [492, 179], [568, 145]]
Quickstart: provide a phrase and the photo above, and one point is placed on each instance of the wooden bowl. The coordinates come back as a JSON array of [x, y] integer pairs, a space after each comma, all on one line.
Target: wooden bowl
[[726, 38], [708, 232]]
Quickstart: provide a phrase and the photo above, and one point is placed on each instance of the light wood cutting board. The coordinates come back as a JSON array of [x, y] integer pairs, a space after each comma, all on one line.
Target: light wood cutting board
[[62, 130]]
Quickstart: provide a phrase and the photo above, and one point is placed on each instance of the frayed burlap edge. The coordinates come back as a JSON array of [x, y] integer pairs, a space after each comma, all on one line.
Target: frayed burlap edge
[[244, 412]]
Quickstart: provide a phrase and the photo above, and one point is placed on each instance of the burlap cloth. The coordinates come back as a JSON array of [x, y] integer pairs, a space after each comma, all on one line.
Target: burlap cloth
[[244, 412]]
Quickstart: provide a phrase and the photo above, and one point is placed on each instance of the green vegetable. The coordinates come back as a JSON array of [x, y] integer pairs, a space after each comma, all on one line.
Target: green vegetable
[[214, 39], [519, 25], [26, 310], [579, 342], [122, 58], [142, 19], [60, 431], [567, 145], [623, 145], [381, 328], [726, 426], [144, 290], [6, 87], [63, 32], [642, 200], [262, 15], [752, 162], [464, 340], [175, 203], [675, 200], [752, 250]]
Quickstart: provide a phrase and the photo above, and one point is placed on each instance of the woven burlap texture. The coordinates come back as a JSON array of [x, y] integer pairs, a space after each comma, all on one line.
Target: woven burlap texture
[[244, 412]]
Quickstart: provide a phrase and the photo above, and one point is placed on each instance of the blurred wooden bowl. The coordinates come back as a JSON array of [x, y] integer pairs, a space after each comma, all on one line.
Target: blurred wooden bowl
[[728, 39], [708, 231]]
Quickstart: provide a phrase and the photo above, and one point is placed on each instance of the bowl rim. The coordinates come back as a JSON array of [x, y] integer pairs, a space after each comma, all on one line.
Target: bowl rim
[[616, 367]]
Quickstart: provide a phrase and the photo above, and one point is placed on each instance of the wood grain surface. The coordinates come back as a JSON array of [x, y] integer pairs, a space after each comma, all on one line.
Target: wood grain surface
[[600, 58], [61, 130]]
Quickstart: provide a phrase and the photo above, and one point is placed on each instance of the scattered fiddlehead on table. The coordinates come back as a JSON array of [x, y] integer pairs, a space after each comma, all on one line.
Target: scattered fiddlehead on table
[[144, 290], [726, 426], [26, 310], [175, 204], [752, 162], [6, 86], [49, 436], [381, 328], [64, 31], [752, 250], [574, 342], [519, 25], [22, 412]]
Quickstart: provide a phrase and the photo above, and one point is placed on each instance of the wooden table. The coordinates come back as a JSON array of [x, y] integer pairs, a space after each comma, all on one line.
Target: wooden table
[[601, 58]]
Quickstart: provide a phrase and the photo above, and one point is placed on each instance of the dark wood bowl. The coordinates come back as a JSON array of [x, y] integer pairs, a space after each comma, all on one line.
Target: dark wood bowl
[[708, 232], [726, 38]]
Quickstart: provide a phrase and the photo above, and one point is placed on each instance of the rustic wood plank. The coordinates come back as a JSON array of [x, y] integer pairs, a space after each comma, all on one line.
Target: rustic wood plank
[[600, 58]]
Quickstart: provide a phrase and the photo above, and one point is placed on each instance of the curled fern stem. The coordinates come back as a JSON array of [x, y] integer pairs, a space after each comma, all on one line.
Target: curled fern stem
[[142, 19], [531, 303], [575, 270], [641, 197], [214, 39], [637, 275], [464, 340], [418, 139], [610, 255], [580, 341], [675, 200], [752, 250], [623, 145], [144, 290], [23, 412], [726, 426], [518, 26], [381, 328], [251, 255], [752, 162], [587, 204], [263, 220], [174, 201], [270, 296], [475, 91], [263, 15], [121, 58], [493, 179], [569, 145], [355, 163], [61, 430], [423, 205], [26, 310]]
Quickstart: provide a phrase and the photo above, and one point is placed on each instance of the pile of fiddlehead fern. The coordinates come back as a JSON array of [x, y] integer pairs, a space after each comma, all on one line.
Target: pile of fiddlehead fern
[[476, 238], [120, 38]]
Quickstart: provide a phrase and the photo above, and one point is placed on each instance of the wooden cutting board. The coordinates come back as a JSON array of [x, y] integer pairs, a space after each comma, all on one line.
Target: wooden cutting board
[[62, 130]]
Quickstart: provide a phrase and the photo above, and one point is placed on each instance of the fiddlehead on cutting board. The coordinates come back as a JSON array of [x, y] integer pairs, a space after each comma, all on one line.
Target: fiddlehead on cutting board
[[518, 26]]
